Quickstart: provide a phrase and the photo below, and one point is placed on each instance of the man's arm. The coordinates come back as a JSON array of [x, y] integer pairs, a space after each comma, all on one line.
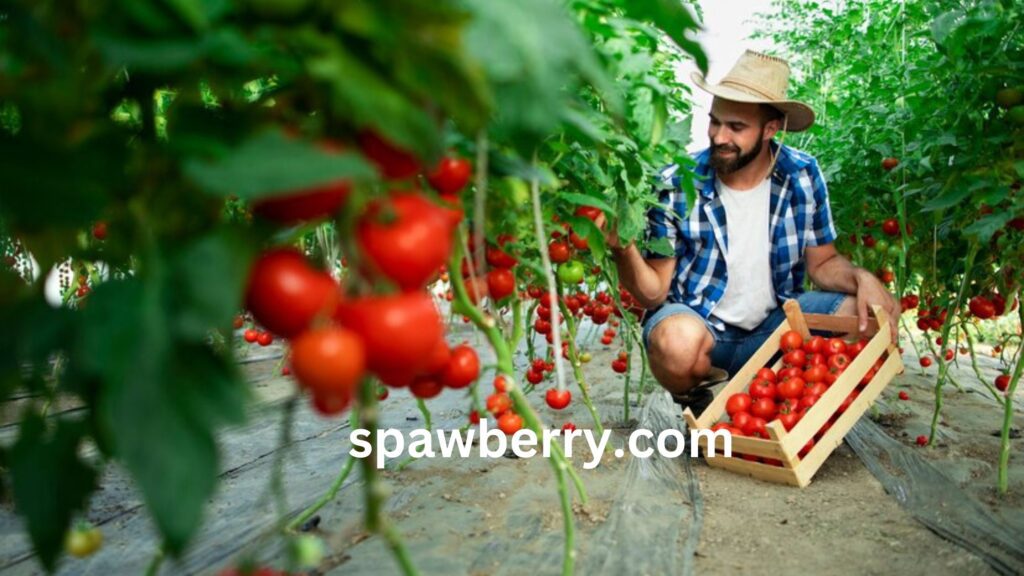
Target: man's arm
[[830, 270], [647, 280]]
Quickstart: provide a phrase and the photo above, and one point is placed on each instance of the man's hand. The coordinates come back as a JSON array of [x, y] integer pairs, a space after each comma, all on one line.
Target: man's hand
[[871, 292]]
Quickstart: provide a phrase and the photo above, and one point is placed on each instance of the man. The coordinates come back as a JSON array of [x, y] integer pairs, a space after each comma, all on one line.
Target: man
[[761, 220]]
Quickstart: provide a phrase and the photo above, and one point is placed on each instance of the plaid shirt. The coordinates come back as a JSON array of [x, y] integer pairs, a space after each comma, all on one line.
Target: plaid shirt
[[799, 213]]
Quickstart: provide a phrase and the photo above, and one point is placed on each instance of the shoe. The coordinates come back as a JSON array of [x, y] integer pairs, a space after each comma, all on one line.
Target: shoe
[[698, 398]]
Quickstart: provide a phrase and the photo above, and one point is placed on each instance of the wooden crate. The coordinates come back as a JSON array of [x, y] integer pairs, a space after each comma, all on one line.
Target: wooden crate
[[786, 446]]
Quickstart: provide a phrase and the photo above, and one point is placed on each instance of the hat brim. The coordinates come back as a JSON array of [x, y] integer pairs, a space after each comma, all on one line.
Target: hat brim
[[800, 115]]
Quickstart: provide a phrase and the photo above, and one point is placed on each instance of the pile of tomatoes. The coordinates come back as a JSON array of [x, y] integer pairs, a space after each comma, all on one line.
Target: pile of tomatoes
[[389, 326], [810, 368]]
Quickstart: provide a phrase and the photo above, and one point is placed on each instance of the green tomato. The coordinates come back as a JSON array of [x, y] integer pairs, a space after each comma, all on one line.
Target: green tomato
[[895, 250], [571, 272], [83, 540], [307, 551], [882, 245]]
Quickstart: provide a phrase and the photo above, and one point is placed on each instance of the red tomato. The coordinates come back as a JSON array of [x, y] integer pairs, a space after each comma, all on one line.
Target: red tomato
[[474, 417], [591, 212], [304, 205], [791, 341], [285, 294], [756, 426], [1002, 382], [558, 399], [796, 358], [99, 230], [264, 339], [816, 389], [816, 345], [500, 383], [764, 408], [501, 283], [400, 330], [819, 359], [534, 376], [450, 175], [426, 387], [815, 374], [558, 252], [510, 423], [251, 336], [741, 419], [619, 366], [792, 388], [393, 162], [852, 350], [836, 346], [462, 369], [498, 403], [839, 361], [329, 362], [579, 242], [926, 361], [791, 372], [982, 307], [767, 374], [807, 401], [789, 419], [903, 395], [498, 258], [439, 358], [739, 402], [891, 227], [762, 389], [406, 238], [568, 427]]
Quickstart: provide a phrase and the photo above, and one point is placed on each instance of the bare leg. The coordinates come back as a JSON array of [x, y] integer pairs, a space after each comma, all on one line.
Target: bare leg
[[680, 352]]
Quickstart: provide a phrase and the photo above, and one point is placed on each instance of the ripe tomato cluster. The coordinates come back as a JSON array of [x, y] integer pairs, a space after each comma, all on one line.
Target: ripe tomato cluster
[[810, 368], [404, 238], [499, 405]]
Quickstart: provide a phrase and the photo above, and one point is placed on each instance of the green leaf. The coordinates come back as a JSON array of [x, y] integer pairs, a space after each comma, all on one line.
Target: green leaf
[[212, 273], [270, 164], [161, 398], [577, 199], [673, 17], [661, 246], [988, 225], [955, 194], [50, 482]]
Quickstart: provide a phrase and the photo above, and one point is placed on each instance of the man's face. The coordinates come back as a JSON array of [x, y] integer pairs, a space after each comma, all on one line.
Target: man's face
[[737, 135]]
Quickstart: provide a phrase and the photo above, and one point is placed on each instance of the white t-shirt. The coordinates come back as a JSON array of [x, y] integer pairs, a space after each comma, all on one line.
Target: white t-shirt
[[749, 294]]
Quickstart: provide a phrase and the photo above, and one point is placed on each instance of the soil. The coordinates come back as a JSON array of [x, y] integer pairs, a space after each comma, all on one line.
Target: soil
[[503, 515]]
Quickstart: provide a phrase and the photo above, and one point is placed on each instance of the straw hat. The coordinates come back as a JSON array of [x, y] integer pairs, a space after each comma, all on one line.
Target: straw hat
[[760, 79]]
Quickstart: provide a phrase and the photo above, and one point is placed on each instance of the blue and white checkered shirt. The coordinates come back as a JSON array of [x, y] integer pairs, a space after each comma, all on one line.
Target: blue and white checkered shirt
[[800, 217]]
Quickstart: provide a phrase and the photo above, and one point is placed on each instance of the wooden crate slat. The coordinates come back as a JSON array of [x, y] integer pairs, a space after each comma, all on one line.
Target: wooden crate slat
[[840, 324], [834, 436], [756, 470], [795, 318]]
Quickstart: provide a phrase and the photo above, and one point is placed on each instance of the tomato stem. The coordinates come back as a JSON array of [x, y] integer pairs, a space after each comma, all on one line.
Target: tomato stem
[[574, 359]]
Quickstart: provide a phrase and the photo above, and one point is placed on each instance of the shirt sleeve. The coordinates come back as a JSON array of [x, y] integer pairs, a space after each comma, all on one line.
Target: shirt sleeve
[[823, 228]]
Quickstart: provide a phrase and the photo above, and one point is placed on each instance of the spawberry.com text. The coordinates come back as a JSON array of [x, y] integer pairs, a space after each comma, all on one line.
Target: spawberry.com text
[[642, 443]]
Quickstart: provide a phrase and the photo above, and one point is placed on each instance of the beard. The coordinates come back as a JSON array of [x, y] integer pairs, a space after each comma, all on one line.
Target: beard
[[725, 166]]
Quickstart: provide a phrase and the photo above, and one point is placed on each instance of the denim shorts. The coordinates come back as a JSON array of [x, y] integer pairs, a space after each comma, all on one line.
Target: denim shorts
[[734, 346]]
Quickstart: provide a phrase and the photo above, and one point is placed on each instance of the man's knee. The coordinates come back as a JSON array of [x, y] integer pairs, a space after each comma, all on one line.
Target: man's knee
[[679, 349]]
